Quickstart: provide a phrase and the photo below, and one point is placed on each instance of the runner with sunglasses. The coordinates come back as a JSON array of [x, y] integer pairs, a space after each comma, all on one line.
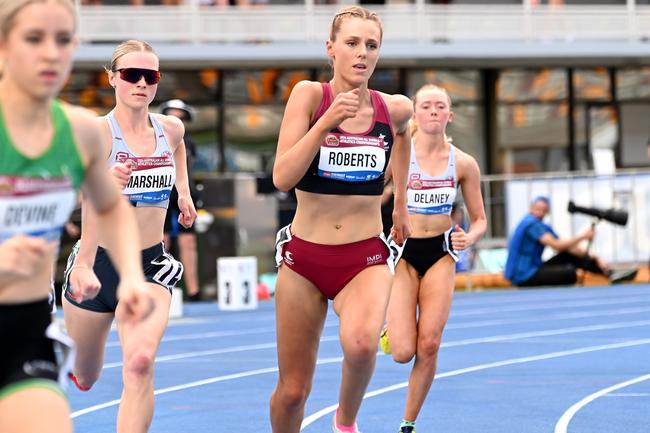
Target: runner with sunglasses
[[48, 151], [147, 157]]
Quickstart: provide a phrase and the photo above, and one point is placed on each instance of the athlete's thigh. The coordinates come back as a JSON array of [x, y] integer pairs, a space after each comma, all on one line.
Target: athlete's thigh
[[300, 314], [402, 307], [436, 294], [361, 305], [89, 330], [35, 410], [147, 333]]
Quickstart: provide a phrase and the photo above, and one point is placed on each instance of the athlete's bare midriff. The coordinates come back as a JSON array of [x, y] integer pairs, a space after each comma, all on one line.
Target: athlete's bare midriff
[[151, 221], [35, 287], [428, 226], [336, 219]]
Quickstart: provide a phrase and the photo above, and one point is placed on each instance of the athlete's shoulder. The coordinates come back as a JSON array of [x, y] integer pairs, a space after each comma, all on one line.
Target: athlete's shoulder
[[466, 162], [83, 121], [305, 98], [399, 106], [172, 126], [307, 90]]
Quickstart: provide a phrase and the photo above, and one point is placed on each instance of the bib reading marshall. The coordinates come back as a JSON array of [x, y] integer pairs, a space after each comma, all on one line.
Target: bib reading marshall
[[349, 163], [153, 176], [431, 195], [37, 195]]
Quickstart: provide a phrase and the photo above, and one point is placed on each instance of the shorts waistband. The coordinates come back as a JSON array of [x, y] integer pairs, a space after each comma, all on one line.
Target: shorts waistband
[[336, 247], [148, 253]]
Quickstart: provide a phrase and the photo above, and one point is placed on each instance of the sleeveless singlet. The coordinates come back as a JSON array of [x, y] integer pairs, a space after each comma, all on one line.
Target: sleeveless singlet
[[347, 163], [431, 195], [153, 176], [37, 195]]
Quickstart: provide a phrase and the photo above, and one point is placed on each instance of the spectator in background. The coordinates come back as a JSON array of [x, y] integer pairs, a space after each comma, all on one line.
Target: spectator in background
[[525, 267], [185, 236]]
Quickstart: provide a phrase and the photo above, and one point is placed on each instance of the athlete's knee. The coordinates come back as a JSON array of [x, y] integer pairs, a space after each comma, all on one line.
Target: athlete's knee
[[292, 394], [84, 380], [360, 349], [428, 345], [402, 354], [139, 364]]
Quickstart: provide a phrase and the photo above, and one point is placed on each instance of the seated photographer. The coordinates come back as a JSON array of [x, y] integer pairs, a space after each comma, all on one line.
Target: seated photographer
[[525, 267]]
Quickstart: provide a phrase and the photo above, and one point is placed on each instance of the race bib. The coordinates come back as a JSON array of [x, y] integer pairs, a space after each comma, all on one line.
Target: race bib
[[35, 206], [152, 179], [431, 197], [352, 158]]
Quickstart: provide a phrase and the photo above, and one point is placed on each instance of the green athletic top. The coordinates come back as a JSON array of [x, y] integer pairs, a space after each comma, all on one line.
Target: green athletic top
[[37, 195]]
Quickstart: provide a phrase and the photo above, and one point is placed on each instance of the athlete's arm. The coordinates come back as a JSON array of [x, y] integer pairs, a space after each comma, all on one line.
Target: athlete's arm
[[470, 183], [115, 218], [176, 130], [401, 110], [298, 144], [83, 283]]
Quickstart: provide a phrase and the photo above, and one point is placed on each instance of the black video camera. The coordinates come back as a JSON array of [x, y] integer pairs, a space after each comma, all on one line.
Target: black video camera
[[615, 216]]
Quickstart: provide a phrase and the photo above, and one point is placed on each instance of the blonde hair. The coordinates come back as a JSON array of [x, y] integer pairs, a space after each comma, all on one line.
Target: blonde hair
[[354, 12], [126, 47], [10, 8], [414, 126]]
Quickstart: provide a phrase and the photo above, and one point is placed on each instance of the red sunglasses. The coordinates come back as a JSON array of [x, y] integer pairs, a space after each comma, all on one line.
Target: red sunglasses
[[133, 75]]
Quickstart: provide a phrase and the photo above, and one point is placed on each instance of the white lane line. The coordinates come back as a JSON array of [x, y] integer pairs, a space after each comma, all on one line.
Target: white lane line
[[465, 342], [450, 326], [547, 333], [570, 316], [329, 409], [197, 383], [515, 296], [634, 300], [563, 423], [234, 349], [204, 335], [332, 360], [218, 334]]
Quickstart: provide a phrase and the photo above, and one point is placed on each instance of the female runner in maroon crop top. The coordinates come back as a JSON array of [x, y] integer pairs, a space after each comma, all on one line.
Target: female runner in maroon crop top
[[334, 147]]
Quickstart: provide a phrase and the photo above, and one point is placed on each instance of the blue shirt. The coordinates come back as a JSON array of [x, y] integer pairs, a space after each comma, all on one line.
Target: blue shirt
[[525, 250]]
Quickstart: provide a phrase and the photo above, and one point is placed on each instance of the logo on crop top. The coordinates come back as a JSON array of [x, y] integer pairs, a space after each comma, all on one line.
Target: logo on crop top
[[166, 154], [386, 145], [332, 140], [121, 156]]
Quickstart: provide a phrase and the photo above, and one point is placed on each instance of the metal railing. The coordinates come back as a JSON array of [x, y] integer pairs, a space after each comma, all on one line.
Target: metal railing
[[419, 22]]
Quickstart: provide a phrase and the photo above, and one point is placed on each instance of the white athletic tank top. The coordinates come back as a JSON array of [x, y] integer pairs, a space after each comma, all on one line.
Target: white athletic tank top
[[153, 176], [431, 195]]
